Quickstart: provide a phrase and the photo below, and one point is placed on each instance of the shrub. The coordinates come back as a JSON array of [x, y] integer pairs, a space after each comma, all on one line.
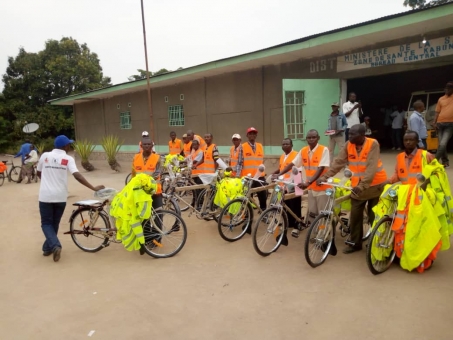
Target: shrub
[[84, 148], [112, 145]]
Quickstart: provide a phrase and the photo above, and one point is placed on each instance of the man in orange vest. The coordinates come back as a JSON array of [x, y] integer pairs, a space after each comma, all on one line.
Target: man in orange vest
[[410, 162], [197, 161], [368, 180], [174, 145], [145, 134], [249, 159], [185, 148], [286, 161], [191, 136], [234, 154], [315, 160]]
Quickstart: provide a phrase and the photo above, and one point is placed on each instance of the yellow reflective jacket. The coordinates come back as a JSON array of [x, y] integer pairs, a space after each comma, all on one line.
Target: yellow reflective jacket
[[130, 208], [227, 190]]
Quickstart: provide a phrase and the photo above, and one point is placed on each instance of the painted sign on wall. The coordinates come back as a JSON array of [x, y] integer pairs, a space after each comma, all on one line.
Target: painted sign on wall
[[407, 53]]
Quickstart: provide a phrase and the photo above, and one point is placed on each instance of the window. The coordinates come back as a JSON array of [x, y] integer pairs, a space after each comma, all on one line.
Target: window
[[294, 102], [176, 115], [125, 121], [181, 97]]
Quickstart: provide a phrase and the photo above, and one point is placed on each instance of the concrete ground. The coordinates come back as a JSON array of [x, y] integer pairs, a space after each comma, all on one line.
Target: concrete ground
[[210, 290]]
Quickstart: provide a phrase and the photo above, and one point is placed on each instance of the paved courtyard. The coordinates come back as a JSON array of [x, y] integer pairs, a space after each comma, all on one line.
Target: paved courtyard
[[210, 290]]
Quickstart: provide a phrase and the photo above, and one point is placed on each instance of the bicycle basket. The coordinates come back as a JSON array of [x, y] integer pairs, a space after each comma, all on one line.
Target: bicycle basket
[[207, 178], [105, 194]]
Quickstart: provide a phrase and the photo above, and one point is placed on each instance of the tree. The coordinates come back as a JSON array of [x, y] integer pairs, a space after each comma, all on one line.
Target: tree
[[142, 74], [63, 68], [414, 4]]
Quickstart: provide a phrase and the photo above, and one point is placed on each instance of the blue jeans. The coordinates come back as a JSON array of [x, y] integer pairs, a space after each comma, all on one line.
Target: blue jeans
[[445, 131], [51, 214]]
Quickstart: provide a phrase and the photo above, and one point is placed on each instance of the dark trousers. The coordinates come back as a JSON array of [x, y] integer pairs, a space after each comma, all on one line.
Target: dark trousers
[[424, 144], [51, 214], [262, 195], [346, 136], [397, 138], [196, 193], [295, 204], [445, 131], [356, 218]]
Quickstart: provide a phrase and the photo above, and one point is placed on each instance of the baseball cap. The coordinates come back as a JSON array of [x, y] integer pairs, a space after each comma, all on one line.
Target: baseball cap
[[145, 134], [184, 135], [236, 135], [252, 129], [62, 141], [336, 104]]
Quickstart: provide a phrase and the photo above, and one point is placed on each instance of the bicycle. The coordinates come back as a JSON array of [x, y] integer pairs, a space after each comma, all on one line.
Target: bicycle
[[13, 174], [92, 229], [236, 217], [321, 233]]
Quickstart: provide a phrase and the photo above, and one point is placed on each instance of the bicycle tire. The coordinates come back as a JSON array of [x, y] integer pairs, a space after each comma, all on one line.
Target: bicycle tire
[[85, 231], [183, 194], [170, 204], [273, 230], [227, 226], [2, 178], [370, 259], [325, 241], [14, 173], [210, 204], [35, 175], [155, 240], [128, 178]]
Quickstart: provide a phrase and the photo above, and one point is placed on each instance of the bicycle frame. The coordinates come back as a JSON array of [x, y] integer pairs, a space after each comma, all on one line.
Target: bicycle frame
[[249, 191]]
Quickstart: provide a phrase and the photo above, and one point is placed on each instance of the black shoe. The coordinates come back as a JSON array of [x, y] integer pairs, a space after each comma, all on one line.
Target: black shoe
[[142, 249], [350, 250], [284, 240], [248, 231], [57, 254], [47, 253]]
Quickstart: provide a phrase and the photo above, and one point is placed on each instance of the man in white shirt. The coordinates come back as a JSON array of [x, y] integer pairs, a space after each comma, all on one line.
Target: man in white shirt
[[397, 128], [29, 162], [353, 112], [53, 170]]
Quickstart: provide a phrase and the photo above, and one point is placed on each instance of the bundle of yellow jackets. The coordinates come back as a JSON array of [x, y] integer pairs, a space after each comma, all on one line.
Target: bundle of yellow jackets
[[169, 160], [130, 208], [228, 189], [427, 217]]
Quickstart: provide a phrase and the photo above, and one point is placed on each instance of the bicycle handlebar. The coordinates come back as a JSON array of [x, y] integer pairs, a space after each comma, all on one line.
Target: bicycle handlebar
[[336, 185]]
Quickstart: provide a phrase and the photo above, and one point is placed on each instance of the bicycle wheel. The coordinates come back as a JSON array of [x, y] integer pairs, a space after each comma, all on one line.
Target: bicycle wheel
[[34, 175], [366, 226], [14, 173], [83, 235], [128, 178], [165, 234], [163, 182], [212, 210], [2, 178], [380, 253], [185, 195], [170, 204], [235, 219], [319, 240], [267, 236]]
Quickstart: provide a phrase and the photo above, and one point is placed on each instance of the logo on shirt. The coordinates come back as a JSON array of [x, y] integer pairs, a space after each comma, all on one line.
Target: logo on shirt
[[248, 154], [64, 162], [46, 160], [138, 168]]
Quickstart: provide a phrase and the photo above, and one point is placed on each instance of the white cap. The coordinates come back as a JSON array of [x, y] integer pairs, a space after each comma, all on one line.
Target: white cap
[[145, 134], [236, 135]]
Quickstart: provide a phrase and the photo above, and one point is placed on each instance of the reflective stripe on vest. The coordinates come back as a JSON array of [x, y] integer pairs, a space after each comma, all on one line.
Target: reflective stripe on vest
[[209, 164], [409, 176], [311, 165], [234, 156], [147, 168], [174, 147], [358, 164], [252, 160], [284, 163]]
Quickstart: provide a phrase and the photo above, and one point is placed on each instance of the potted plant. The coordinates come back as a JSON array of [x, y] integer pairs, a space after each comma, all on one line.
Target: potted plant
[[84, 148], [112, 145]]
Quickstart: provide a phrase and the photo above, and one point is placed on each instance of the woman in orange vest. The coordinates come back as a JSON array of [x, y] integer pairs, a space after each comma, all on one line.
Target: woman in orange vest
[[174, 145], [234, 153], [368, 180]]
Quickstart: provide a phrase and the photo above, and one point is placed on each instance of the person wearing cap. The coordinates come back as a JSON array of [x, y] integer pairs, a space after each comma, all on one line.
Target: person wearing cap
[[174, 144], [53, 170], [234, 153], [336, 127], [145, 134], [443, 122], [250, 157]]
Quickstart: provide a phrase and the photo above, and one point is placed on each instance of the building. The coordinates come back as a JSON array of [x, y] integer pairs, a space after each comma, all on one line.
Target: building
[[283, 90]]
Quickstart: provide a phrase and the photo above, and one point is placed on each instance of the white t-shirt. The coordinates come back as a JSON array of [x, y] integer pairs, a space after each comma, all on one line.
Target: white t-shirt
[[54, 167], [353, 118], [33, 157], [397, 122]]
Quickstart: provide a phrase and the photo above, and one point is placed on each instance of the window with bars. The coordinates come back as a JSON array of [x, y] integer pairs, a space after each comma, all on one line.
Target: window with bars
[[176, 115], [294, 117], [125, 121]]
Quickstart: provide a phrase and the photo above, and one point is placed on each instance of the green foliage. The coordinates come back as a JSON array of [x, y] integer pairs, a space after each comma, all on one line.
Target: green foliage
[[112, 145], [414, 4], [84, 148], [40, 147], [142, 73], [63, 68]]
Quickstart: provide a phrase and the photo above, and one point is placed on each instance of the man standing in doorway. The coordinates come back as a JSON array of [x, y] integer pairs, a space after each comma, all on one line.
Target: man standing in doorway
[[250, 158], [444, 123], [417, 124], [397, 128], [338, 123], [53, 170], [353, 112]]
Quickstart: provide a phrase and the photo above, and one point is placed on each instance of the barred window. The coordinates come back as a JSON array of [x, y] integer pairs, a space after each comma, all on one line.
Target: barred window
[[176, 115], [294, 117], [125, 121]]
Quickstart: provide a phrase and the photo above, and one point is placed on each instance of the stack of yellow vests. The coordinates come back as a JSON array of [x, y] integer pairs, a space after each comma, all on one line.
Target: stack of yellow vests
[[228, 189]]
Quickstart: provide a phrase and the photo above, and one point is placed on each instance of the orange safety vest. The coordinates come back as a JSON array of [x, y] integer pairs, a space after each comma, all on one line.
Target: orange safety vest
[[200, 169], [312, 165], [174, 147], [252, 160], [358, 164], [209, 163], [284, 163], [409, 176], [186, 148], [147, 168], [234, 156]]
